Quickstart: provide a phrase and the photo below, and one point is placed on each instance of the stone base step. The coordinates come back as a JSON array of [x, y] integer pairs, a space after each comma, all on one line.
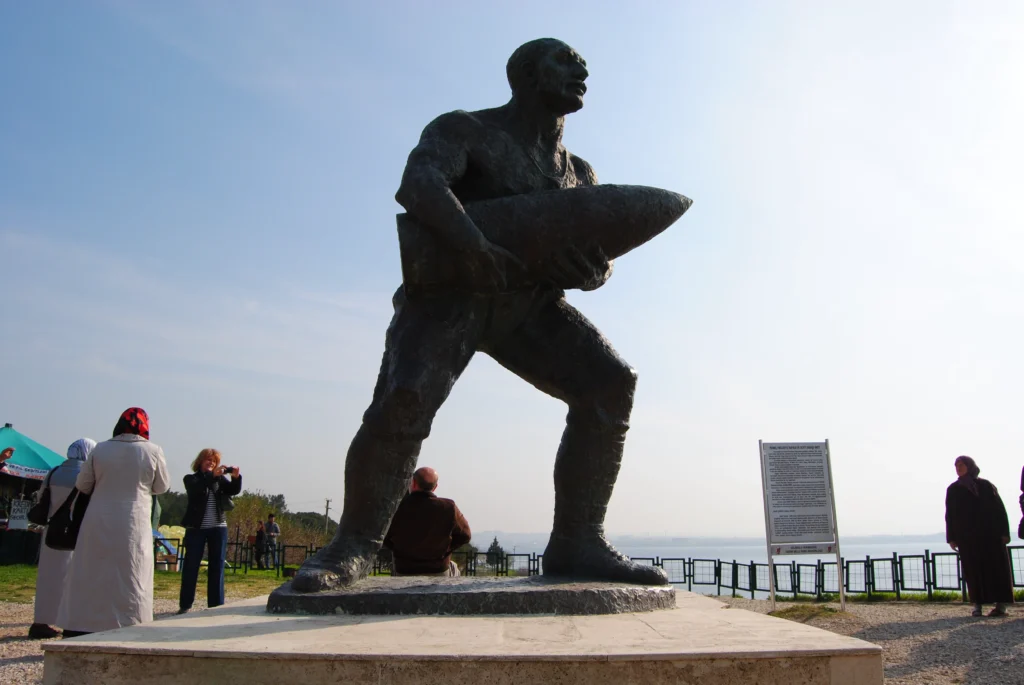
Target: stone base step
[[700, 642]]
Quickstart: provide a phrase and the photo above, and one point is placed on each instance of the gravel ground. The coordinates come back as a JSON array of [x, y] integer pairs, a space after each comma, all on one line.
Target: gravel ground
[[922, 643], [21, 659], [929, 642]]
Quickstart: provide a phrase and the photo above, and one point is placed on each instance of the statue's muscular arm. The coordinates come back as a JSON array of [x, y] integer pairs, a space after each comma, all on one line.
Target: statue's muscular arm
[[437, 162]]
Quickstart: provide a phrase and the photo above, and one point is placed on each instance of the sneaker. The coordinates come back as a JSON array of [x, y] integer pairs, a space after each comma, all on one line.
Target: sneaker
[[977, 612], [41, 631], [179, 612], [998, 611]]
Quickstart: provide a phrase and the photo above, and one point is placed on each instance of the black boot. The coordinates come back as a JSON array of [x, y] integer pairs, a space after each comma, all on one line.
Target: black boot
[[377, 476], [41, 631], [76, 633], [585, 472], [587, 555]]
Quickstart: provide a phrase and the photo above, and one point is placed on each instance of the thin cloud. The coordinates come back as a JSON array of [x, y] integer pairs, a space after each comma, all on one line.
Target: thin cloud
[[118, 307]]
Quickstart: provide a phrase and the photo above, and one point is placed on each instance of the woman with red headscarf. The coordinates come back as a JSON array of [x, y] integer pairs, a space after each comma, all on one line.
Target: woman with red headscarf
[[110, 582], [977, 527]]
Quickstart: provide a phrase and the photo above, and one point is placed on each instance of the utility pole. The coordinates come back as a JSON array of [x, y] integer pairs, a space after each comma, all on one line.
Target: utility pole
[[327, 521]]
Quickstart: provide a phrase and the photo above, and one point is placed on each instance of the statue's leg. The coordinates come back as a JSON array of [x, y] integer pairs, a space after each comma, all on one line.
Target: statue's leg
[[561, 353], [429, 343]]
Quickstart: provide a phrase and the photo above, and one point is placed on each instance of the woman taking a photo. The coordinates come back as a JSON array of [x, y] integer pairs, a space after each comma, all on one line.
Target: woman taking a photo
[[209, 496]]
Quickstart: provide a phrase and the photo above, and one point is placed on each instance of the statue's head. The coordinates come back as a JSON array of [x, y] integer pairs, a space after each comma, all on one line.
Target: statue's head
[[549, 71]]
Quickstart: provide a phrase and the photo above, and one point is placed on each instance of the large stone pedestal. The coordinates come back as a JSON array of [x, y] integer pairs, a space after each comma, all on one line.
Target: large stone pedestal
[[700, 642], [471, 596]]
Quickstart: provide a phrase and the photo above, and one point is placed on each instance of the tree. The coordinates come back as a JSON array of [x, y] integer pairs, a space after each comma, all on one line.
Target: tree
[[277, 504], [469, 549], [297, 530], [495, 553], [314, 521], [172, 508]]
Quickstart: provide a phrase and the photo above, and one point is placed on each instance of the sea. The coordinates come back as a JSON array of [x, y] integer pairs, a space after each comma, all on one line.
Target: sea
[[742, 550], [747, 550]]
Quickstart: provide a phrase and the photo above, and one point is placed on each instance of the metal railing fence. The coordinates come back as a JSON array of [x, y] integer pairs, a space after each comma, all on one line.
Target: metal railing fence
[[927, 573]]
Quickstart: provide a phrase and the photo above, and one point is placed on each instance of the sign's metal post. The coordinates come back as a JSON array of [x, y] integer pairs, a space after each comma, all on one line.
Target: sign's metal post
[[835, 528], [767, 524]]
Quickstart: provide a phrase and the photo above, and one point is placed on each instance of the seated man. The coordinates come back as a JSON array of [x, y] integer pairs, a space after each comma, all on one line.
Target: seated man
[[425, 530]]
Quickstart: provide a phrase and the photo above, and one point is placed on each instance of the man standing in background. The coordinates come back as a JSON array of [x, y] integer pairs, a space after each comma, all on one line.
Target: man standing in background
[[272, 530]]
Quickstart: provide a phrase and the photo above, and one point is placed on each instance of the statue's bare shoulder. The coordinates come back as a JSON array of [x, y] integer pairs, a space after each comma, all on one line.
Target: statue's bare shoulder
[[585, 174], [469, 130], [456, 128], [443, 151]]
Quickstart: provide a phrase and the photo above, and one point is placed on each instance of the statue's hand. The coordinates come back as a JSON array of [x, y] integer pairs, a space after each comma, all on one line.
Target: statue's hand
[[489, 266], [584, 269]]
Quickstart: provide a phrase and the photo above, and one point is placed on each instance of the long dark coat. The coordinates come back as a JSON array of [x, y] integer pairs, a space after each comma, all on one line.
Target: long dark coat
[[977, 524], [1020, 528]]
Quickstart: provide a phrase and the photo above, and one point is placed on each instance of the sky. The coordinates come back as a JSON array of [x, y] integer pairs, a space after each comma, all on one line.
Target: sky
[[197, 217]]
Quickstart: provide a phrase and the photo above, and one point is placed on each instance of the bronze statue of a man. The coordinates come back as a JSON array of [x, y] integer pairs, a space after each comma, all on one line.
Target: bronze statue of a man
[[465, 157]]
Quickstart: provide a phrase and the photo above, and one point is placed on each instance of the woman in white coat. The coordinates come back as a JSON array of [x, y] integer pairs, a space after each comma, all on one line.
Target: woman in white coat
[[53, 563], [110, 584]]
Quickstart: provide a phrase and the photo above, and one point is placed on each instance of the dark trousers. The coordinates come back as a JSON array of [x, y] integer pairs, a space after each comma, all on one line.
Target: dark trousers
[[216, 542]]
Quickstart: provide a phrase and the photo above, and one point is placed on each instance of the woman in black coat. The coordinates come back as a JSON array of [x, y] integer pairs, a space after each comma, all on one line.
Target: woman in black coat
[[1020, 526], [977, 527], [209, 494], [259, 545]]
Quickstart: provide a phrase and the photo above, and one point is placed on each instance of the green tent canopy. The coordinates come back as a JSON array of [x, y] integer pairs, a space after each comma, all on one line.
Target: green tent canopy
[[30, 459]]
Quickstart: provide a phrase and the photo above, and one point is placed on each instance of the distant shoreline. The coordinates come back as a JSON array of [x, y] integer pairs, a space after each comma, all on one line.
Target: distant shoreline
[[657, 541]]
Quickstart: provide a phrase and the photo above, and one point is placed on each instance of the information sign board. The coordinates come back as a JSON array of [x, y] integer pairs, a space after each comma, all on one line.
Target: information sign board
[[799, 504], [19, 514], [796, 480]]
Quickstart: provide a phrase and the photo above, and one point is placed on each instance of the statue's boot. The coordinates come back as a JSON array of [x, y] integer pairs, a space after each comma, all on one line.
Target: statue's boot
[[585, 471], [377, 474]]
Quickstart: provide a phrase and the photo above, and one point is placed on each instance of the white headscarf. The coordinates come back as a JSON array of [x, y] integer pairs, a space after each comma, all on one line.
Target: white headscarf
[[80, 449]]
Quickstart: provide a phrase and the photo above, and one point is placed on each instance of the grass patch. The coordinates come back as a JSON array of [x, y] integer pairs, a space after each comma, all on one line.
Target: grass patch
[[937, 596], [860, 597], [166, 584], [802, 613], [18, 584]]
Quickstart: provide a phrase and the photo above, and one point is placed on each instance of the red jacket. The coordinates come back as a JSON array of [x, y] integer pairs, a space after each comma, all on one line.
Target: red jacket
[[424, 532]]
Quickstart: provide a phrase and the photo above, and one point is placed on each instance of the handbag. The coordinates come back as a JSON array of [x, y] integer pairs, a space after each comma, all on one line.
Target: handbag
[[39, 514], [225, 501], [62, 532]]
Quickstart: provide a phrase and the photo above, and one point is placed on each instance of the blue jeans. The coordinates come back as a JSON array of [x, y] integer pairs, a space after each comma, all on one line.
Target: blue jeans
[[271, 553], [216, 542]]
